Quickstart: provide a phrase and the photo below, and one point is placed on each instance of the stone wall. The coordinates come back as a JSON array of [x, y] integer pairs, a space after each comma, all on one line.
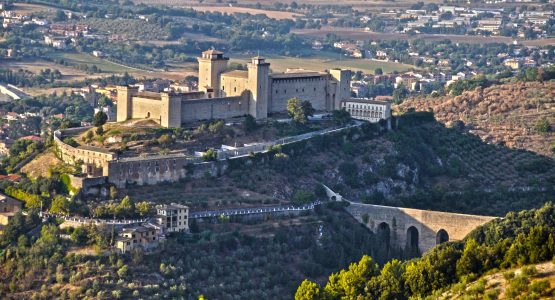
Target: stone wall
[[143, 108], [214, 108], [313, 89], [427, 223], [158, 169], [88, 155]]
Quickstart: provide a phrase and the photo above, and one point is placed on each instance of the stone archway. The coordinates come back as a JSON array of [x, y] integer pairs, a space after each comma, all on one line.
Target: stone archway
[[442, 237], [383, 234], [412, 246]]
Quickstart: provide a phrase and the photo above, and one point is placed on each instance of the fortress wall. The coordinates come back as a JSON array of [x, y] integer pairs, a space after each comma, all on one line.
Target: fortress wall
[[214, 108], [233, 86], [141, 107], [73, 155], [311, 89], [154, 170]]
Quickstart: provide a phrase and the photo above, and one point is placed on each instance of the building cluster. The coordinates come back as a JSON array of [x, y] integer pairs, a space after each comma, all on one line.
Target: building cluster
[[148, 235], [11, 19], [63, 35], [471, 20]]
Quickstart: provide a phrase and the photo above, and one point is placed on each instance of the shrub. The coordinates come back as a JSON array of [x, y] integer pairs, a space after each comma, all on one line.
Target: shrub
[[303, 197], [210, 155], [543, 126]]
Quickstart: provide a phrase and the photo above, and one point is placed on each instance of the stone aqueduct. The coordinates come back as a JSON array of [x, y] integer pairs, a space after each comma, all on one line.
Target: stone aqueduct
[[415, 228], [412, 228]]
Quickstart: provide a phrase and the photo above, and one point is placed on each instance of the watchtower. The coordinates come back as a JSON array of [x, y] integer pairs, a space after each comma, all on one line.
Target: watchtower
[[125, 105], [258, 70], [211, 64]]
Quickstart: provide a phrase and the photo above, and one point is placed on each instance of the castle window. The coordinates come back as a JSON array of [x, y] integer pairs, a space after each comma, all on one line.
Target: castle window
[[235, 89], [276, 92], [303, 90]]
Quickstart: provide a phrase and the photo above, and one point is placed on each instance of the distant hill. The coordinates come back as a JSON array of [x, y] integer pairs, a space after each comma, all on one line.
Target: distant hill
[[514, 114]]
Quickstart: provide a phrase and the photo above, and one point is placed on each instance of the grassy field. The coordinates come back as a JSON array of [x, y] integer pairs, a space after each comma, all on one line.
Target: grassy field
[[325, 60], [26, 9], [75, 58]]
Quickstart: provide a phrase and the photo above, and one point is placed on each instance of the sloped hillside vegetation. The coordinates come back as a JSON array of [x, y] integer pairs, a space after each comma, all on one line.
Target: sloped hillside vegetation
[[518, 115], [518, 239]]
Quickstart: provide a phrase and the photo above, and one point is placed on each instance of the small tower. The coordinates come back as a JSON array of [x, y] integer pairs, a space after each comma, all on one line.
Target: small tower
[[258, 70], [124, 104], [343, 87], [210, 65]]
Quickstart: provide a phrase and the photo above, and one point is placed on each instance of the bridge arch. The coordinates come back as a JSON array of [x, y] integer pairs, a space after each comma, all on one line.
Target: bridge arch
[[383, 233], [442, 236], [412, 242]]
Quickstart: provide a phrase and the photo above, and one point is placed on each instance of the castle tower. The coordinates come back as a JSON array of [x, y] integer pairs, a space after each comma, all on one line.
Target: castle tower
[[170, 110], [124, 104], [343, 87], [210, 65], [258, 70]]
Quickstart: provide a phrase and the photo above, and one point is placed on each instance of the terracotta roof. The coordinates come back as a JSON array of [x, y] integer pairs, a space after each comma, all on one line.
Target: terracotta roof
[[11, 177]]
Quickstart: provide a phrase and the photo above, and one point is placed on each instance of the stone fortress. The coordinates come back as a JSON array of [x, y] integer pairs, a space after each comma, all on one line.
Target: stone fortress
[[222, 94], [225, 94]]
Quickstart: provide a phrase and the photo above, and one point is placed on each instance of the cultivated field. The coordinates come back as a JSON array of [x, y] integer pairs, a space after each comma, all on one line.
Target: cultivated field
[[326, 61], [243, 10], [357, 4], [360, 34], [26, 9]]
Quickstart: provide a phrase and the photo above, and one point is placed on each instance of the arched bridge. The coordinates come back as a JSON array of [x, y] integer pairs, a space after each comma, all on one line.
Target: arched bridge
[[409, 228], [412, 229]]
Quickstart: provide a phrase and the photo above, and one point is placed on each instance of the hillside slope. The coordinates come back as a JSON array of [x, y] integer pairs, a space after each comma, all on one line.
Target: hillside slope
[[506, 114], [421, 164], [537, 281]]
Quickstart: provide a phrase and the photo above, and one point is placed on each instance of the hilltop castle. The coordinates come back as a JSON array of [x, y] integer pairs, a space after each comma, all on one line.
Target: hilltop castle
[[225, 94]]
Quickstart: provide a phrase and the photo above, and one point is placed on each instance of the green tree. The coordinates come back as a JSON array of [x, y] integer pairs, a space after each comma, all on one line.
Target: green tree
[[249, 124], [143, 208], [299, 110], [349, 284], [60, 205], [210, 155], [99, 119], [341, 116], [470, 262], [122, 272], [126, 207], [390, 283], [308, 290], [165, 140], [113, 192]]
